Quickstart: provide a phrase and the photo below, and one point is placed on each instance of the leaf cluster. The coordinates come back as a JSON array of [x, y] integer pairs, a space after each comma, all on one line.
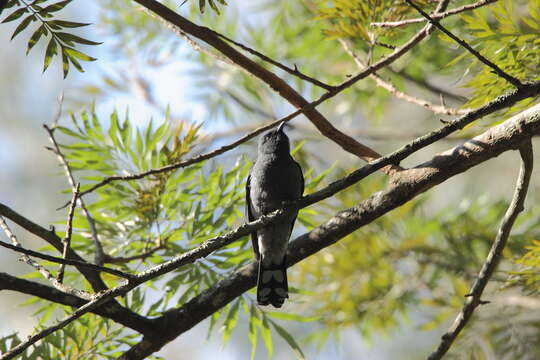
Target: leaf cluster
[[60, 41]]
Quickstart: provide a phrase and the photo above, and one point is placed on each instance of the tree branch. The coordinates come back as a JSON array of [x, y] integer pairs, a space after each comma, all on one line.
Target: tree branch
[[120, 315], [98, 259], [436, 109], [497, 70], [390, 24], [495, 254], [509, 135], [69, 229]]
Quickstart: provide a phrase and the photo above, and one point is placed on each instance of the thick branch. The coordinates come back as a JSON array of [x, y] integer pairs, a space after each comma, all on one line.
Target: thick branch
[[507, 136], [118, 314], [495, 254], [496, 69], [389, 24]]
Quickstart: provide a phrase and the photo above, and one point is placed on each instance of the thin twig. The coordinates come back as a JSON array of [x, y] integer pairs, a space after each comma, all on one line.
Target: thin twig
[[390, 24], [68, 261], [437, 109], [433, 88], [497, 70], [69, 229], [474, 297], [126, 259], [98, 259], [269, 60], [46, 274]]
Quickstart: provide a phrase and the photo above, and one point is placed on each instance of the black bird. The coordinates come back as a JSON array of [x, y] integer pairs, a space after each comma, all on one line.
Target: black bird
[[274, 178]]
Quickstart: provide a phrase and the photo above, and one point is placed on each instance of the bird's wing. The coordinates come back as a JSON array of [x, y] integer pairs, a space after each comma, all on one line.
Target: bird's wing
[[301, 178], [250, 217]]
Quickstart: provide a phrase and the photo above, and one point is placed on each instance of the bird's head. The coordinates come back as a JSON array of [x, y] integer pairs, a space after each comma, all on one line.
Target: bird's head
[[275, 141]]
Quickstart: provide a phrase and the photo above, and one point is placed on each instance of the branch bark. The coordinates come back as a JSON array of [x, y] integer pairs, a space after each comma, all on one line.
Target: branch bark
[[507, 136]]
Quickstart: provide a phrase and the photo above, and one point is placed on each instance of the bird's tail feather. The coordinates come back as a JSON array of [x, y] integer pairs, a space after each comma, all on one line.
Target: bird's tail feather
[[272, 287]]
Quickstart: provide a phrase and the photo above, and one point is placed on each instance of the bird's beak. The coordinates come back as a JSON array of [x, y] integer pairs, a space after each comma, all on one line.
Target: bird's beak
[[280, 127]]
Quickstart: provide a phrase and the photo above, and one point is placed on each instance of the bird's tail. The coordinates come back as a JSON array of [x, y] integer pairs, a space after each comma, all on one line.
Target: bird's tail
[[272, 287]]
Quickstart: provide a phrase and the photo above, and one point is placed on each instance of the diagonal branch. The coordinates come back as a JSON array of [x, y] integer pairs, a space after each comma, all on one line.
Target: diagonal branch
[[495, 254], [442, 15], [91, 223], [507, 136], [436, 109], [497, 70], [323, 125]]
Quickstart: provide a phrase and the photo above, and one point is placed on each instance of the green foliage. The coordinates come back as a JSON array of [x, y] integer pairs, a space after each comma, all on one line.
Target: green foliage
[[529, 275], [214, 5], [83, 339], [60, 41], [509, 39]]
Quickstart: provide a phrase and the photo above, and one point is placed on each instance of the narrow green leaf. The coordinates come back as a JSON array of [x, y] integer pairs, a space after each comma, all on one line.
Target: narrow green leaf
[[230, 321], [290, 316], [49, 53], [65, 63], [35, 37], [266, 336], [15, 15], [78, 55], [67, 37], [252, 335], [54, 7], [289, 339], [27, 20], [68, 24]]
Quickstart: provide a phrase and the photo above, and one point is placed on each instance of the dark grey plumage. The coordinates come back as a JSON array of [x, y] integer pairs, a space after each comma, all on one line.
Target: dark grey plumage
[[274, 178]]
